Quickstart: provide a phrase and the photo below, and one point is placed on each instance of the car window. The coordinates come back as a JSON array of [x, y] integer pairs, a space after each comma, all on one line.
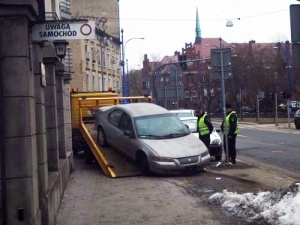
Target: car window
[[125, 123], [297, 113], [114, 117]]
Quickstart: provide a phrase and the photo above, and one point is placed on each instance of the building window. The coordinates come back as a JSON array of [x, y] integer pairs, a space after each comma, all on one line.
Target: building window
[[186, 94], [104, 86], [99, 81], [94, 81], [93, 54], [103, 58], [195, 94], [98, 56], [87, 57], [87, 81]]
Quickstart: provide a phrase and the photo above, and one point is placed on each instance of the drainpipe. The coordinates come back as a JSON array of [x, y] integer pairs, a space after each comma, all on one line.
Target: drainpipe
[[2, 149]]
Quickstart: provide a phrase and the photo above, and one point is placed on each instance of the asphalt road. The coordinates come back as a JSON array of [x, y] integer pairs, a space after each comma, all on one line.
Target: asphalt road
[[277, 147]]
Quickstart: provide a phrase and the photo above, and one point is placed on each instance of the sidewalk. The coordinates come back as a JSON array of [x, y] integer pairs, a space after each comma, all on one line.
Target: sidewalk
[[92, 198], [264, 175]]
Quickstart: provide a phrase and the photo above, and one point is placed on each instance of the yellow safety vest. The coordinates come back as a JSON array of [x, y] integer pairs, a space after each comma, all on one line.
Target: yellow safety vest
[[237, 129], [203, 128]]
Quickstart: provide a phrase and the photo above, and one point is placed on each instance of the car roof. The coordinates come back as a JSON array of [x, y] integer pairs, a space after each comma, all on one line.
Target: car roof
[[181, 110], [143, 109], [188, 118]]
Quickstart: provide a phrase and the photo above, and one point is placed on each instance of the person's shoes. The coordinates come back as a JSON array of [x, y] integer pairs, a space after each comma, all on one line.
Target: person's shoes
[[233, 161]]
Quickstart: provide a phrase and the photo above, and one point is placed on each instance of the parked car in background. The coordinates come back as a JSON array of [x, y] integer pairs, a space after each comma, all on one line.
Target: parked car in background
[[183, 112], [216, 146], [297, 119], [152, 137]]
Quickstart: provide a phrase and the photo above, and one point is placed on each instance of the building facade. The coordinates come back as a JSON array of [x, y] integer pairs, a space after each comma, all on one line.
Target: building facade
[[97, 62], [35, 128]]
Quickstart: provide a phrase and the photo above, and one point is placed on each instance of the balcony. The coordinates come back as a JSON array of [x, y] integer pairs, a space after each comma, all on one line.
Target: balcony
[[65, 9]]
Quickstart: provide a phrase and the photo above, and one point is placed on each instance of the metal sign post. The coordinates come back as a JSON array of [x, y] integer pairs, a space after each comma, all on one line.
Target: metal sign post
[[221, 68]]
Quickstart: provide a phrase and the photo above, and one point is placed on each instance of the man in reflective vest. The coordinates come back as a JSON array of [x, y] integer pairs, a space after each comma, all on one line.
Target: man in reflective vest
[[204, 127], [232, 129]]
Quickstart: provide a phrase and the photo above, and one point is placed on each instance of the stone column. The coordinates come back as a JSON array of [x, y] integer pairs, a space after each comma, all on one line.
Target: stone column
[[42, 157], [60, 108], [19, 173], [50, 60], [67, 106]]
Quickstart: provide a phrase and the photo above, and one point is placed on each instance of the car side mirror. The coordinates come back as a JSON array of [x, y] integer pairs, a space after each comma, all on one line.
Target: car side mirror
[[128, 133]]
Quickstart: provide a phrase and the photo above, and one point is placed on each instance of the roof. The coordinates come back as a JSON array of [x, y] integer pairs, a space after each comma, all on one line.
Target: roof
[[143, 109], [211, 43]]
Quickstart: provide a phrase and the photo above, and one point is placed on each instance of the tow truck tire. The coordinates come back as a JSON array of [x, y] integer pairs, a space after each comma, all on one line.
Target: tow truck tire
[[143, 164], [101, 137]]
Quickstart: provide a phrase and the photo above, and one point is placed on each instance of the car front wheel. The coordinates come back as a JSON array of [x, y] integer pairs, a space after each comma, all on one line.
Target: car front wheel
[[101, 138], [143, 164]]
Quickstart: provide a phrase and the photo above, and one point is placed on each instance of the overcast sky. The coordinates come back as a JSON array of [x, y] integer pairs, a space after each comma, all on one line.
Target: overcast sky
[[167, 25]]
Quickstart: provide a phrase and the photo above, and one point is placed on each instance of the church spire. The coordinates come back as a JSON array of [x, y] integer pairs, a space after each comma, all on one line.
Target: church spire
[[198, 31]]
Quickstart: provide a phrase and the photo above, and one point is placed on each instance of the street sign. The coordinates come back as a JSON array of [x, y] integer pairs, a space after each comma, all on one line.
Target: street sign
[[63, 31], [221, 62]]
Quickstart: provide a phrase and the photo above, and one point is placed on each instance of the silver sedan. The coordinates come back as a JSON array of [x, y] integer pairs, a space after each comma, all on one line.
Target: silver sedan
[[152, 137]]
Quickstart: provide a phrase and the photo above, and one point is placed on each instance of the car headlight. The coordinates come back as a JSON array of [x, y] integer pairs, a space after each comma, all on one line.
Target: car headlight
[[161, 159], [203, 154], [216, 142]]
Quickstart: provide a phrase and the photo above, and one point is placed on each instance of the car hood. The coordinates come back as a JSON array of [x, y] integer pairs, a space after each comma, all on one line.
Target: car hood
[[180, 147]]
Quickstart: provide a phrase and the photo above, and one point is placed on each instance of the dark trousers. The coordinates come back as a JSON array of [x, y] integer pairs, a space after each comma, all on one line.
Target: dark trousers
[[205, 139], [231, 148]]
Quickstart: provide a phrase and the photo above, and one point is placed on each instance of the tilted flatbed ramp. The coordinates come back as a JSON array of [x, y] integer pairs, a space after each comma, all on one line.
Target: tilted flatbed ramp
[[113, 163]]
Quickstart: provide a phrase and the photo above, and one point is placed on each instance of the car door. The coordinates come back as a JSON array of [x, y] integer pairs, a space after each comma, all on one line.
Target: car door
[[127, 142]]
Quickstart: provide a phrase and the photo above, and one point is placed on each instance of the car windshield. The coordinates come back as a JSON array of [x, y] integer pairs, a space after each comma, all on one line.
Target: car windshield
[[160, 126], [297, 113]]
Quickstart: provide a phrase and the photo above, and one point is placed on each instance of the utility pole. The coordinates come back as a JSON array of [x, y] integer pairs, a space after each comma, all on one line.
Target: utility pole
[[288, 68]]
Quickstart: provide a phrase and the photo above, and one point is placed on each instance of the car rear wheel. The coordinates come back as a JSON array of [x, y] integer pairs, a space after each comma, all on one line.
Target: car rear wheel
[[297, 126], [143, 164], [101, 138]]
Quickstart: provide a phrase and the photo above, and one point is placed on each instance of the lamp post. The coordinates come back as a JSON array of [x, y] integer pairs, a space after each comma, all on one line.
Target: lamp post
[[124, 78], [288, 68], [221, 64]]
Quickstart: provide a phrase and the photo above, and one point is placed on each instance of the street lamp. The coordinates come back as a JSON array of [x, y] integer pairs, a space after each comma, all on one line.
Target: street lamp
[[124, 80], [60, 48]]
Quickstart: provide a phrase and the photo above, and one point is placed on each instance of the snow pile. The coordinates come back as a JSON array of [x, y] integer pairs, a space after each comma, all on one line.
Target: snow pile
[[280, 207]]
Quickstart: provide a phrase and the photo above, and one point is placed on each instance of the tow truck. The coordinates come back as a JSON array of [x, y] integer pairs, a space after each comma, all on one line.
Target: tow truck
[[84, 134]]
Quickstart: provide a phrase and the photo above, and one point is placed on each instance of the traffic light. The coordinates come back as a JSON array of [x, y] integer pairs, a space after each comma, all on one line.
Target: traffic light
[[283, 94]]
